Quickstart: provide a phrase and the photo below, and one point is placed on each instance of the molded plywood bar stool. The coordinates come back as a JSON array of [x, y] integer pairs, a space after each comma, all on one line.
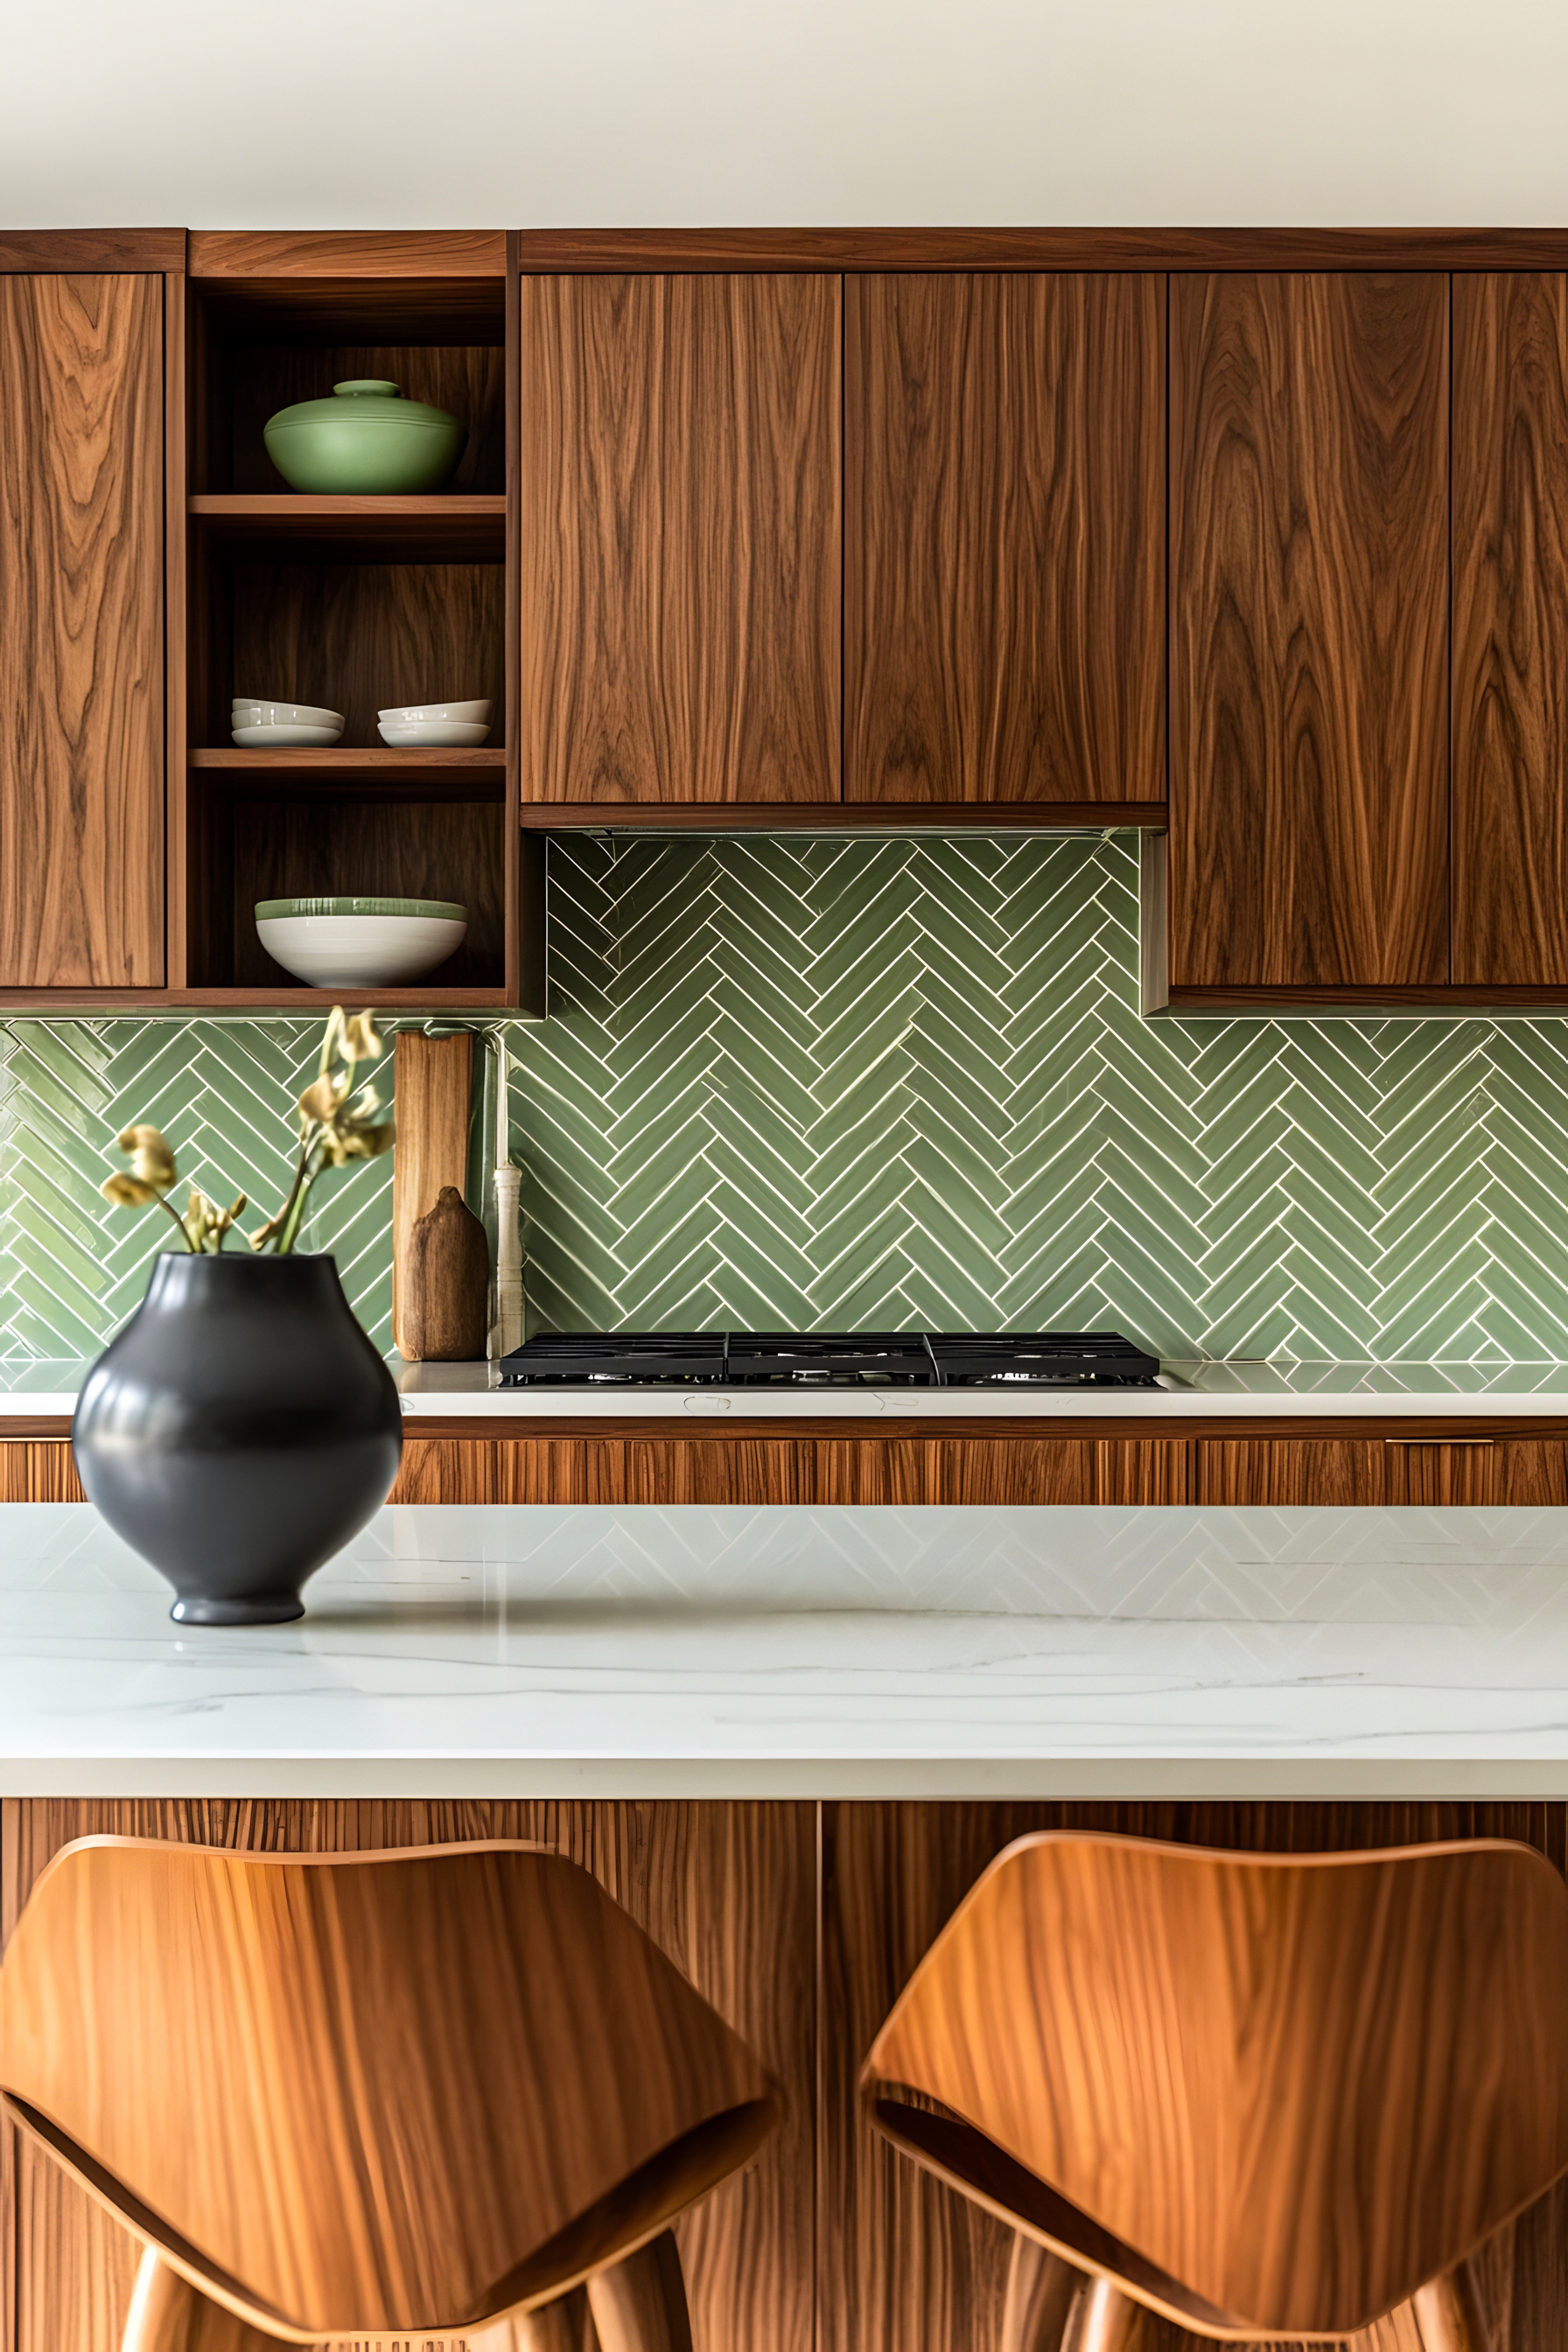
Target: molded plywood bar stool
[[397, 2092], [1264, 2095]]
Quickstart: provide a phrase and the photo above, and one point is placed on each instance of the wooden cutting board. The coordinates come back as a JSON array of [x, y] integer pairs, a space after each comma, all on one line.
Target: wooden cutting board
[[434, 1083]]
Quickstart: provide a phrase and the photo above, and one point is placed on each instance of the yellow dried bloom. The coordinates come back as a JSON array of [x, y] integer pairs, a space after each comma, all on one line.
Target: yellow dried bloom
[[128, 1192], [151, 1161], [205, 1223], [359, 1042]]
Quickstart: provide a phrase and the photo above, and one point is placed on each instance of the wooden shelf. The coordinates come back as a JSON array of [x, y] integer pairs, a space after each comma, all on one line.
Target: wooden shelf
[[843, 816], [445, 775], [435, 529]]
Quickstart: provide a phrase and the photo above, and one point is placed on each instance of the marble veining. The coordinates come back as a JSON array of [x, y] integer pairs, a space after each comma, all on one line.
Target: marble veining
[[791, 1651]]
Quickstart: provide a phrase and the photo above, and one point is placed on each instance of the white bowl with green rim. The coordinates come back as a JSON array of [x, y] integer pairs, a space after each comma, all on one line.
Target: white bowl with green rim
[[360, 942]]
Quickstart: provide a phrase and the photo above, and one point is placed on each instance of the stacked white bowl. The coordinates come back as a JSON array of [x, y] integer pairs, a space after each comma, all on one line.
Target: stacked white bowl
[[261, 726], [436, 726]]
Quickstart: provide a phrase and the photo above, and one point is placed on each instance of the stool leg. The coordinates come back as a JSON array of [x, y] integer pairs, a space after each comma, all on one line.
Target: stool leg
[[1040, 2292], [565, 2326], [168, 2315], [1448, 2314], [639, 2305], [1102, 2319]]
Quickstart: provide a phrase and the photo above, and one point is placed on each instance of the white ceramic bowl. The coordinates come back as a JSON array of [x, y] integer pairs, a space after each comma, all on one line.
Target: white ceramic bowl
[[294, 714], [438, 714], [437, 735], [360, 942], [282, 739]]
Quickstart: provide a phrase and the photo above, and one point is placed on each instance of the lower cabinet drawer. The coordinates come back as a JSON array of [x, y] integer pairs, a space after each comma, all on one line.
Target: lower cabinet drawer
[[1480, 1472]]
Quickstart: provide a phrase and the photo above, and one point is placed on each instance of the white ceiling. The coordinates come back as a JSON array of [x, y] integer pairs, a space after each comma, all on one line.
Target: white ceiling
[[384, 114]]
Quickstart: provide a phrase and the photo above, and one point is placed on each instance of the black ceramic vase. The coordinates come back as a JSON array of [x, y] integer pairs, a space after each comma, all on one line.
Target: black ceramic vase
[[239, 1430]]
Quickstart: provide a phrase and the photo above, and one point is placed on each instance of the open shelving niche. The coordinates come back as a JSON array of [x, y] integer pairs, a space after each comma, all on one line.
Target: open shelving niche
[[355, 603]]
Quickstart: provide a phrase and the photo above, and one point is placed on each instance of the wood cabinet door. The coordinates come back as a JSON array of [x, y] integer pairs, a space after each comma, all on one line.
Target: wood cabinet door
[[82, 632], [1476, 1472], [1510, 630], [1308, 630], [1004, 615], [680, 551]]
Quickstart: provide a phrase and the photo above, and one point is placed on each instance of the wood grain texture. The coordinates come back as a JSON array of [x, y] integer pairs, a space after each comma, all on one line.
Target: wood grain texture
[[176, 594], [38, 1471], [680, 539], [375, 634], [415, 254], [1308, 630], [467, 379], [1004, 499], [400, 845], [911, 2266], [433, 1096], [1173, 2064], [713, 1884], [1510, 629], [766, 1470], [1479, 1473], [1020, 248], [848, 816], [74, 250], [82, 632], [368, 2092]]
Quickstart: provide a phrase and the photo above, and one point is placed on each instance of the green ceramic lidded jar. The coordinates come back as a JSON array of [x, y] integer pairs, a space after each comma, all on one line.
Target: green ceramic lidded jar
[[365, 438]]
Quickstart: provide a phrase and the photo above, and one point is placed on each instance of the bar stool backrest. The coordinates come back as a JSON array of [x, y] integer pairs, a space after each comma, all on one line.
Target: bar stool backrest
[[1269, 2095], [400, 2091]]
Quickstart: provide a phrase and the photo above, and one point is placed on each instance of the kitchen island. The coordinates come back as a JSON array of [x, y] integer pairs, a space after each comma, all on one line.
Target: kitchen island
[[788, 1740]]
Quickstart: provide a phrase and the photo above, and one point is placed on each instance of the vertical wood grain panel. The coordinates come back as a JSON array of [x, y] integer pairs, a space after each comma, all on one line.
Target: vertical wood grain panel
[[1477, 1474], [911, 2266], [1510, 629], [1005, 538], [728, 1891], [38, 1470], [680, 534], [433, 1090], [1310, 630], [82, 632], [762, 1470]]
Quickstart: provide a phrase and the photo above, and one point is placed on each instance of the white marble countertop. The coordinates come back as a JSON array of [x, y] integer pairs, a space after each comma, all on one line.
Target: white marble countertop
[[1188, 1390], [932, 1653]]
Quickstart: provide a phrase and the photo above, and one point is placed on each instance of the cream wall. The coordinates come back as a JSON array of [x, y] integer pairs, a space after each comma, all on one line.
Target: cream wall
[[452, 112]]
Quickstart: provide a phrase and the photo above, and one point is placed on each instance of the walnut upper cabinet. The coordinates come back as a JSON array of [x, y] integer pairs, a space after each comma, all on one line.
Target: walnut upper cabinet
[[81, 631], [1004, 493], [679, 525], [1309, 843], [1510, 630]]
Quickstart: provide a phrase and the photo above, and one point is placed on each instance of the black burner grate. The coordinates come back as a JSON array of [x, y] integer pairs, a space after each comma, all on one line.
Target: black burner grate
[[830, 1360]]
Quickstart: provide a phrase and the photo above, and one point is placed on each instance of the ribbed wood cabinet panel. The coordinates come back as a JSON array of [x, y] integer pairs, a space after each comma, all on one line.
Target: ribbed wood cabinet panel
[[1510, 629], [82, 632], [1004, 622], [727, 1890], [908, 2265], [1480, 1473], [679, 537], [1308, 630], [736, 1469]]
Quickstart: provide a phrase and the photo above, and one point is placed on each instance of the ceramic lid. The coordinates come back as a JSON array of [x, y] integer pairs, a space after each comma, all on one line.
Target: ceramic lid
[[373, 397], [443, 910]]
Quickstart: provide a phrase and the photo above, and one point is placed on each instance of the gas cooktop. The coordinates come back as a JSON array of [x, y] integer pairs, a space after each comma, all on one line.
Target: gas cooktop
[[750, 1360]]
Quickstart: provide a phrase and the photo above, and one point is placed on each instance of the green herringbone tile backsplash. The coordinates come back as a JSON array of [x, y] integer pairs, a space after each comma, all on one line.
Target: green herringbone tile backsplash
[[829, 1084]]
